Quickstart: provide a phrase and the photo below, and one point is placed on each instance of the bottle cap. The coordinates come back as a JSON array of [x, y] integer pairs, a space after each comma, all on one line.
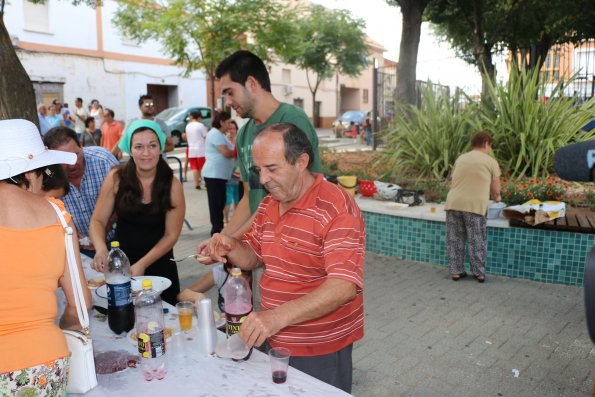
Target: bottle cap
[[236, 271], [147, 284], [115, 244]]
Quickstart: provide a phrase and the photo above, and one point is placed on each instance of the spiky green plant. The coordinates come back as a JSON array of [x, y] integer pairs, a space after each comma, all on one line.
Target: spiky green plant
[[425, 142], [527, 129]]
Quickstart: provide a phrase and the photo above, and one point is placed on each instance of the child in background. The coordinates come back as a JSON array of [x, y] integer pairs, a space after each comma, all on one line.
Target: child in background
[[232, 189]]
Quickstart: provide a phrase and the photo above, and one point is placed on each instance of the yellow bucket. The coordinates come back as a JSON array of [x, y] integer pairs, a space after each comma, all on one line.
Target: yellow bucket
[[348, 182]]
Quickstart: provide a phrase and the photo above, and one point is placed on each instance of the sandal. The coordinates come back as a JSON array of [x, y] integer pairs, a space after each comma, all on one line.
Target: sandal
[[458, 276], [480, 279]]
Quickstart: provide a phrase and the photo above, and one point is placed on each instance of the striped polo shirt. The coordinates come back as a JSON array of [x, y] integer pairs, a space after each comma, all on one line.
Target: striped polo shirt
[[322, 236]]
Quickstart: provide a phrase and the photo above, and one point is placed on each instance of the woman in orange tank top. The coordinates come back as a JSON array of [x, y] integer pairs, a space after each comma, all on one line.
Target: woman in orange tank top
[[33, 354]]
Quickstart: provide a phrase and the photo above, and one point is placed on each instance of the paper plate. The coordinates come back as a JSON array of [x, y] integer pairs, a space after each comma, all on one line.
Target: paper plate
[[159, 284]]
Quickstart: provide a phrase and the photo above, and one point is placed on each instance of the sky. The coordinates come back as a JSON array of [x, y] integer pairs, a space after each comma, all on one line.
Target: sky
[[435, 61]]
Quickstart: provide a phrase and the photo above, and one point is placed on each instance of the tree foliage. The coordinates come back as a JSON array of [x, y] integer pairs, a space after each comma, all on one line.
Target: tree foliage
[[528, 28], [328, 42], [198, 34], [17, 97]]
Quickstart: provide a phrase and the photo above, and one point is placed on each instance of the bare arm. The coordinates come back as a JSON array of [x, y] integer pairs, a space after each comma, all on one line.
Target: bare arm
[[224, 150], [69, 319], [495, 189], [195, 291], [100, 219], [238, 225], [174, 219], [242, 219], [323, 300], [224, 248]]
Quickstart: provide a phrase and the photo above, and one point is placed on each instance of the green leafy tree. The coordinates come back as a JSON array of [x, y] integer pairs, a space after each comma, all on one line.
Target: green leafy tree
[[198, 34], [528, 28], [330, 41], [412, 11], [17, 97]]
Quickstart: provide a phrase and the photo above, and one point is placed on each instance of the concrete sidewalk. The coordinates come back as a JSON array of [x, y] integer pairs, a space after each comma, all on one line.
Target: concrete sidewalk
[[426, 335]]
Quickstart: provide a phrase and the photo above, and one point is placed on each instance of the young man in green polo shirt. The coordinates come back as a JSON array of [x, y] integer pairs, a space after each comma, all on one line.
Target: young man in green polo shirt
[[246, 87]]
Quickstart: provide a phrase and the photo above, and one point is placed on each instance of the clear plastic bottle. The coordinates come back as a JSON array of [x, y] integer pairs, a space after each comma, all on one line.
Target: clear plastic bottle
[[238, 302], [150, 331], [120, 310]]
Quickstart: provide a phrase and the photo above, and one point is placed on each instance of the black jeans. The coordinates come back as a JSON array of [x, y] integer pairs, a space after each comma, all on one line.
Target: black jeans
[[217, 197]]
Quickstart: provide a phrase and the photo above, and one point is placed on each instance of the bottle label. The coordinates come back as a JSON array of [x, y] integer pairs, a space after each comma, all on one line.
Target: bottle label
[[234, 321], [119, 295], [151, 345]]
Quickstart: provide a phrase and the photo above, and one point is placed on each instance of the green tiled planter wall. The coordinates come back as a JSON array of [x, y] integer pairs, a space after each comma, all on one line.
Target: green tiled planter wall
[[533, 254]]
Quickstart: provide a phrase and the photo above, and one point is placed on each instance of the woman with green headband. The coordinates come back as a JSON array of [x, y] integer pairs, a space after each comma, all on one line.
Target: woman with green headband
[[149, 204]]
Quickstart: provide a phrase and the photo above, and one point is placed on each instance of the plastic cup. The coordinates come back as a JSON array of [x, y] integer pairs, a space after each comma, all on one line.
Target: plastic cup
[[185, 314], [279, 357], [433, 209]]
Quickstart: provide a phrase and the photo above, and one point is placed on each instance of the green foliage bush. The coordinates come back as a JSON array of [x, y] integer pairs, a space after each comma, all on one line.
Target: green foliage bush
[[528, 129], [425, 142]]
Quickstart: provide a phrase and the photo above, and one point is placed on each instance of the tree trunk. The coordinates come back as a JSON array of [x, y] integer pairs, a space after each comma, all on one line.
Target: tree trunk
[[213, 107], [482, 51], [412, 11], [17, 97]]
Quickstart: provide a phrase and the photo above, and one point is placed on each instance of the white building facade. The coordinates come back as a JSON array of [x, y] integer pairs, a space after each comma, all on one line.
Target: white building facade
[[75, 51]]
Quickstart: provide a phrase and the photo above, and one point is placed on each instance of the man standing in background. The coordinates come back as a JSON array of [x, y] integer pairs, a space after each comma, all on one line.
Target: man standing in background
[[80, 115]]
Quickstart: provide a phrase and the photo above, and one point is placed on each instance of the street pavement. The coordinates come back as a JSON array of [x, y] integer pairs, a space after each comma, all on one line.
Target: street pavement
[[426, 335]]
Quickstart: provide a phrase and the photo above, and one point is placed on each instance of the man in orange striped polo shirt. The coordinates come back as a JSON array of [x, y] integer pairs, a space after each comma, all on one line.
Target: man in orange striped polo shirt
[[310, 235]]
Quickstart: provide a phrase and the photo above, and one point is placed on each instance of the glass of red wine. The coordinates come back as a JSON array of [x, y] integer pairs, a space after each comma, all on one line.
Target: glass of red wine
[[279, 357]]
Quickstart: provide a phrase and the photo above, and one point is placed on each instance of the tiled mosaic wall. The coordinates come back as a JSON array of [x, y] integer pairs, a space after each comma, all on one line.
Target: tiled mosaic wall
[[533, 254]]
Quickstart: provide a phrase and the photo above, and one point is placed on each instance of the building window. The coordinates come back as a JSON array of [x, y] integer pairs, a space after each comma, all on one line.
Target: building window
[[299, 102], [286, 76], [365, 99], [36, 16]]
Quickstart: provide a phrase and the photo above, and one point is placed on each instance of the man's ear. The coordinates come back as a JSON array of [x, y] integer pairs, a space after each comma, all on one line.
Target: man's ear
[[302, 161], [252, 84]]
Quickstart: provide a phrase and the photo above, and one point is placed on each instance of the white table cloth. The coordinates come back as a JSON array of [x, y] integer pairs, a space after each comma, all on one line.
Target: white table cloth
[[192, 374]]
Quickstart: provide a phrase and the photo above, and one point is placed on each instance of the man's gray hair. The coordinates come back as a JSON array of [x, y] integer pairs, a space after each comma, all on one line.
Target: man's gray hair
[[296, 141]]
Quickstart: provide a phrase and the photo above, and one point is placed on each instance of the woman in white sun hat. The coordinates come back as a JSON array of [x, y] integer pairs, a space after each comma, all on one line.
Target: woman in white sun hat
[[33, 352]]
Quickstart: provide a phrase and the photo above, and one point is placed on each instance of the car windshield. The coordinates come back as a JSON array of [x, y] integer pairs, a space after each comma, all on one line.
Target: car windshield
[[170, 113], [353, 114]]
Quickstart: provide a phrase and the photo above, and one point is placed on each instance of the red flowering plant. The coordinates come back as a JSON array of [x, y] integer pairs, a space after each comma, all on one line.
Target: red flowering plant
[[523, 190]]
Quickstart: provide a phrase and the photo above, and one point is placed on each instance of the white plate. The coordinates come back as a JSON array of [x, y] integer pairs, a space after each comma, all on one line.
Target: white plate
[[159, 284]]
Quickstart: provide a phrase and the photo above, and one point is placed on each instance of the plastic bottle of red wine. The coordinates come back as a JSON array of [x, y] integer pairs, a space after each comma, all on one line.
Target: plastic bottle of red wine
[[238, 302], [120, 310]]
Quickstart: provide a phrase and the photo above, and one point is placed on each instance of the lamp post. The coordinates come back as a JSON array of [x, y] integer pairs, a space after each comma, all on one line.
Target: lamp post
[[375, 104]]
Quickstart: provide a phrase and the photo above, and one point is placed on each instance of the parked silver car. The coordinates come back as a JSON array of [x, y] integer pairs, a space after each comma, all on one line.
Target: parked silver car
[[357, 116], [176, 119]]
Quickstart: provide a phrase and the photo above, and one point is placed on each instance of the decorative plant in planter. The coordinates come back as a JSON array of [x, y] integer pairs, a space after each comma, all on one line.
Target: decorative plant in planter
[[543, 189]]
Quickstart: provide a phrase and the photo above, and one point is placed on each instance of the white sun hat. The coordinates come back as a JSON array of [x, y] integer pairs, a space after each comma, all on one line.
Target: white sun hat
[[22, 150]]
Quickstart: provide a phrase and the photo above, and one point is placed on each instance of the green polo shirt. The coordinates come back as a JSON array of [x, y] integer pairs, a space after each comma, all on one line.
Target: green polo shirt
[[285, 113]]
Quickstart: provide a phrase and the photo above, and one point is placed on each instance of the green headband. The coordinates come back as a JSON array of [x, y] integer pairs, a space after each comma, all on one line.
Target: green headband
[[126, 139]]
